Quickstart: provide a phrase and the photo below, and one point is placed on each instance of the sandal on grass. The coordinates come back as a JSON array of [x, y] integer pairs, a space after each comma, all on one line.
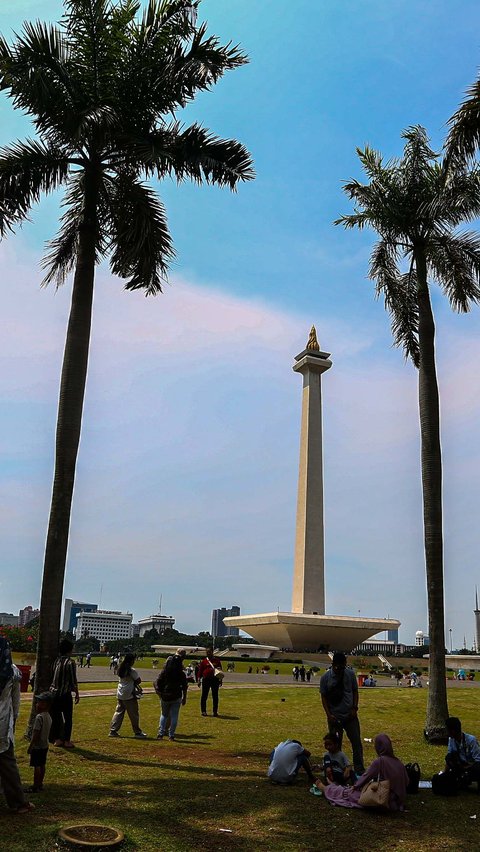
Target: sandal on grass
[[315, 791], [24, 809]]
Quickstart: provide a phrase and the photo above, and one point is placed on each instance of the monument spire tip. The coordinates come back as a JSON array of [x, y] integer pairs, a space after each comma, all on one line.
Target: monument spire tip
[[312, 342]]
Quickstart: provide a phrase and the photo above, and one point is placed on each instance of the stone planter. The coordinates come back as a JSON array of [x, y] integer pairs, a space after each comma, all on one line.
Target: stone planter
[[85, 836]]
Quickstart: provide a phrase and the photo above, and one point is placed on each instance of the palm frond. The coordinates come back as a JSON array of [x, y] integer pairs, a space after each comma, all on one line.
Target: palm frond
[[360, 219], [36, 73], [417, 153], [62, 250], [171, 59], [463, 139], [192, 153], [400, 296], [455, 262], [141, 245], [27, 169]]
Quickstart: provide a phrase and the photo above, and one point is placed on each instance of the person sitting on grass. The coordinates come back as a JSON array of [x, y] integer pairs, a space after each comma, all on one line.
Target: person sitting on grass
[[385, 767], [38, 747], [463, 755], [336, 765], [286, 760]]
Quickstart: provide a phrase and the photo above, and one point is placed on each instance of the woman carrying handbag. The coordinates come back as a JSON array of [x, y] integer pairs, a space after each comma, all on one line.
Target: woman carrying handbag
[[382, 785]]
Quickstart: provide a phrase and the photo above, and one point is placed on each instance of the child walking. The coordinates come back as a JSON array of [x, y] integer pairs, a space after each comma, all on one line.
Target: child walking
[[38, 747]]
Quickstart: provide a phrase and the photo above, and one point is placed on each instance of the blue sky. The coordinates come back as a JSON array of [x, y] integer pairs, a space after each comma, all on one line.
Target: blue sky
[[186, 482]]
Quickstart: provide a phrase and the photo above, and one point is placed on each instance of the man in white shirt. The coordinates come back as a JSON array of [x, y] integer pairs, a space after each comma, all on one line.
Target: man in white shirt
[[286, 760]]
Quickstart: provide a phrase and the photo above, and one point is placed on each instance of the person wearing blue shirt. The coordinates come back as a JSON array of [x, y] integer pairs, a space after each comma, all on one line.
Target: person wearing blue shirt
[[463, 754]]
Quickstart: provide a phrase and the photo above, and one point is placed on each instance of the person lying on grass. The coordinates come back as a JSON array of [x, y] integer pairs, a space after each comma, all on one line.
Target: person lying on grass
[[286, 760], [385, 767]]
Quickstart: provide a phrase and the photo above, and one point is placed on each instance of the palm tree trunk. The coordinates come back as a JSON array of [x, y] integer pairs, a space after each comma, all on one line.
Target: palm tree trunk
[[429, 409], [69, 421]]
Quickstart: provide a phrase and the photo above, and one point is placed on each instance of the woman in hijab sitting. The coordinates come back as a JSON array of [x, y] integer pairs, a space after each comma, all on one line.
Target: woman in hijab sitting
[[386, 766]]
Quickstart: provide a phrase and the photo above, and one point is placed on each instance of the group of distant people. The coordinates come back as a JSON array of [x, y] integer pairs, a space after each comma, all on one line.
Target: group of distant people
[[302, 674], [171, 686]]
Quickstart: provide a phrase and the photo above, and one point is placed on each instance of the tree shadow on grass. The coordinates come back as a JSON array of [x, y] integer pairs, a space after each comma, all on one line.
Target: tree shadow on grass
[[158, 760], [171, 814], [174, 813]]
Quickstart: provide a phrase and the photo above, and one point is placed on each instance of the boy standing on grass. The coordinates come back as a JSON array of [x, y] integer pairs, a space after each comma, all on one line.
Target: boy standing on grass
[[38, 747]]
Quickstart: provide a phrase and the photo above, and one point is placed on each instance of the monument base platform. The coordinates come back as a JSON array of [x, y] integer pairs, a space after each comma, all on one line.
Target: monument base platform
[[297, 631]]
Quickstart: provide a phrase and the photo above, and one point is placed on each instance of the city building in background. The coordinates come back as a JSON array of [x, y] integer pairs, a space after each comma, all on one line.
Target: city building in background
[[8, 619], [392, 636], [160, 623], [218, 627], [70, 612], [135, 630], [421, 638], [104, 625], [28, 613]]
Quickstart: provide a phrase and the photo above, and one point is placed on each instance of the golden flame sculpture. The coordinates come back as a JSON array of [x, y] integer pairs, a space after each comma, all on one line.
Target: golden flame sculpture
[[312, 342]]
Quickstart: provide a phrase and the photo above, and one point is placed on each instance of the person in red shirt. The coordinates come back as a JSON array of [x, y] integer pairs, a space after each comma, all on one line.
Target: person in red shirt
[[208, 680]]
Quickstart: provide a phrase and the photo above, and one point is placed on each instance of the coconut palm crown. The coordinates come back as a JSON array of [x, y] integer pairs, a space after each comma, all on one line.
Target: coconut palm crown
[[103, 89], [415, 205]]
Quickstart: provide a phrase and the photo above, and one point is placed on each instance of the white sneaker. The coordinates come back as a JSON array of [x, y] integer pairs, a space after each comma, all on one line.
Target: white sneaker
[[141, 736]]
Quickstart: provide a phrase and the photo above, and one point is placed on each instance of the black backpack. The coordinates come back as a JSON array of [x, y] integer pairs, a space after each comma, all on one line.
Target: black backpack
[[414, 775], [445, 783]]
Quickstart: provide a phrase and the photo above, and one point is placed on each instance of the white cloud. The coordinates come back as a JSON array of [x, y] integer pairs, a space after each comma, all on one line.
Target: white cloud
[[187, 469]]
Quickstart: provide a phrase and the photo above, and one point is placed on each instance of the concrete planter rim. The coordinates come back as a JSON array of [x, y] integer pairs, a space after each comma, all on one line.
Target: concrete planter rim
[[64, 834]]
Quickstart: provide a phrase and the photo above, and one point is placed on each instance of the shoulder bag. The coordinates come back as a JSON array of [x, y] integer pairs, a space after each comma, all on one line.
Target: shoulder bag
[[375, 794]]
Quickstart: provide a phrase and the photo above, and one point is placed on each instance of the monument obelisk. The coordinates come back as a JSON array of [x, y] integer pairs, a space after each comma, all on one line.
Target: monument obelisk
[[307, 627], [309, 562]]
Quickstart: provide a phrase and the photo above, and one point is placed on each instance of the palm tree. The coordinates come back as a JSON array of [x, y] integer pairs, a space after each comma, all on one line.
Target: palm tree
[[415, 208], [102, 90]]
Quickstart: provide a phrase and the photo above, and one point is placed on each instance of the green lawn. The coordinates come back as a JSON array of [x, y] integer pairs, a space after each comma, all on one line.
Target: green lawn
[[177, 796]]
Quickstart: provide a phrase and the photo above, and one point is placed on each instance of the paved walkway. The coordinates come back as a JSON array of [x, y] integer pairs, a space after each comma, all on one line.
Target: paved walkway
[[232, 680]]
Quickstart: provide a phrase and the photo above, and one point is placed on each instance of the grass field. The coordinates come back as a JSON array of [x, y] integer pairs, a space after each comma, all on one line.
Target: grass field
[[177, 796]]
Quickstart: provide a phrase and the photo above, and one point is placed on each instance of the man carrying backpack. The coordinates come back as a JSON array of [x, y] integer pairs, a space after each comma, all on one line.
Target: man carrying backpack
[[171, 686]]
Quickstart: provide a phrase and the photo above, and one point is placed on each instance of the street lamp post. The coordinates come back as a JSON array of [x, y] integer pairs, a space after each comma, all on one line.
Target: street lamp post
[[451, 646]]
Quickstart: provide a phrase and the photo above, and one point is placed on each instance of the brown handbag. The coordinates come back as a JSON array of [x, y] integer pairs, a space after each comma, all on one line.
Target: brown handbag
[[375, 794]]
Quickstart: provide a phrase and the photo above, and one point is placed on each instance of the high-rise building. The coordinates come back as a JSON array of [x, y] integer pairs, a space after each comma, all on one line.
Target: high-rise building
[[28, 613], [392, 636], [8, 619], [104, 625], [218, 627], [160, 623], [70, 612]]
